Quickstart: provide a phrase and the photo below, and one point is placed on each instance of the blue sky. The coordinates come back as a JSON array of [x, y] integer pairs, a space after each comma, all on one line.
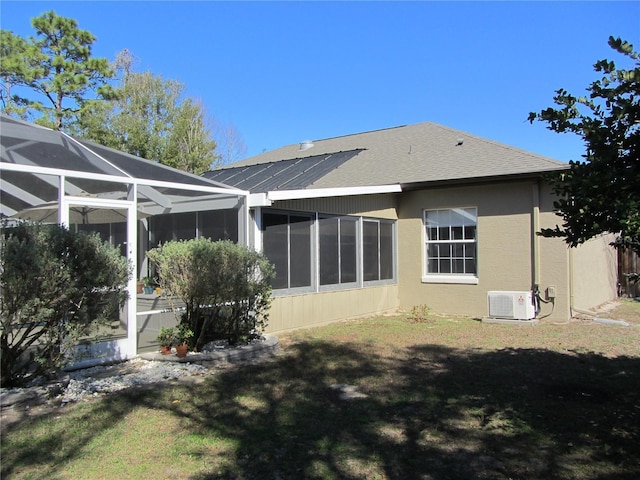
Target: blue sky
[[283, 72]]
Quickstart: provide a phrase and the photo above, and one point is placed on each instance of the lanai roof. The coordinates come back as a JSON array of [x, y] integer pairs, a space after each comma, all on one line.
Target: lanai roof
[[26, 148], [424, 152]]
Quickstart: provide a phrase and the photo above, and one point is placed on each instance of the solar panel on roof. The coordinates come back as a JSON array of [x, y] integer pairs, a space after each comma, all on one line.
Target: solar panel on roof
[[293, 174]]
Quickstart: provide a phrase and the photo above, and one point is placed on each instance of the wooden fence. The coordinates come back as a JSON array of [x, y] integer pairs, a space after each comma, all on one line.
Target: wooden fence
[[628, 262]]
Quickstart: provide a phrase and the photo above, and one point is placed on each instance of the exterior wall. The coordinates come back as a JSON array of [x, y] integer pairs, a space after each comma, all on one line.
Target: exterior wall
[[506, 247], [554, 264], [510, 257], [594, 279], [315, 309]]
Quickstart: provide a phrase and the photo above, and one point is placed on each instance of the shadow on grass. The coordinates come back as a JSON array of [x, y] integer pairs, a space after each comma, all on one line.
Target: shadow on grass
[[432, 412], [429, 412]]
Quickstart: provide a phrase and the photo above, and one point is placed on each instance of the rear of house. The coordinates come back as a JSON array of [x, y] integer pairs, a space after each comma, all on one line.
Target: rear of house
[[416, 215]]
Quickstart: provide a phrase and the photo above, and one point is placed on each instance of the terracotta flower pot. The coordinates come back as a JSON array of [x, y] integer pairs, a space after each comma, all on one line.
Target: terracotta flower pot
[[165, 349], [181, 350]]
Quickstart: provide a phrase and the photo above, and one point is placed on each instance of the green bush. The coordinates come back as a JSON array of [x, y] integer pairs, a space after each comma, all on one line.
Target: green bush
[[226, 288], [57, 286]]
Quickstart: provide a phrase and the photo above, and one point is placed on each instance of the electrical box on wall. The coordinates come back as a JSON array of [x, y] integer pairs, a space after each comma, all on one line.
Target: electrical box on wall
[[551, 292], [512, 305]]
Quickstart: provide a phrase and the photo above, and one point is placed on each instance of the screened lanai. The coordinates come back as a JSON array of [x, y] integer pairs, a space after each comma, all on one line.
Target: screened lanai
[[134, 203]]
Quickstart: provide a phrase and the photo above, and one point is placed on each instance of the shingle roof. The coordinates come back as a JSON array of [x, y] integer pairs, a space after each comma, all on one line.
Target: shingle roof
[[424, 152]]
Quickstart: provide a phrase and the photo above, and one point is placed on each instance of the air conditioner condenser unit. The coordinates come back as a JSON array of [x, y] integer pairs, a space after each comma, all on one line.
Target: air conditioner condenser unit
[[511, 305]]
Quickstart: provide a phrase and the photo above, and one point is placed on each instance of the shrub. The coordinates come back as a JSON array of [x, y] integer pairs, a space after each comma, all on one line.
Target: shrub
[[57, 286], [420, 313], [225, 287]]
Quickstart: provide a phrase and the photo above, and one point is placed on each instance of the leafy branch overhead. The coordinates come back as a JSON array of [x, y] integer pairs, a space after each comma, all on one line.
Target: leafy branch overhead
[[599, 194]]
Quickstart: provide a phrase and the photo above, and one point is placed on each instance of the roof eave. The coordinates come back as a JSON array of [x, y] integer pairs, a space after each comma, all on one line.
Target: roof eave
[[406, 186]]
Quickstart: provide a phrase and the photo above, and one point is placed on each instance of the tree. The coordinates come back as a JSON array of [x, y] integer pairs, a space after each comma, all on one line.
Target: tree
[[190, 146], [230, 144], [57, 287], [600, 193], [57, 66], [150, 118]]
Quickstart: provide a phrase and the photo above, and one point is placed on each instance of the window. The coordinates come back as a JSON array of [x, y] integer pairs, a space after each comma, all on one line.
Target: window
[[338, 259], [377, 250], [219, 224], [213, 224], [286, 241], [171, 226], [451, 243], [347, 252]]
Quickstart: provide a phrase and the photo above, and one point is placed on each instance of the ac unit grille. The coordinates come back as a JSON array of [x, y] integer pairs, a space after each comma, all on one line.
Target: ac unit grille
[[501, 306]]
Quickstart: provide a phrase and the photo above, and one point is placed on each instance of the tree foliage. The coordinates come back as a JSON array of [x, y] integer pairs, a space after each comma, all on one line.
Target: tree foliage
[[225, 287], [600, 193], [57, 286], [57, 69], [151, 118]]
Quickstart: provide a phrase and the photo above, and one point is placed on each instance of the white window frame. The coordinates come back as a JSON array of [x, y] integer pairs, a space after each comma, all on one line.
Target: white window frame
[[453, 278]]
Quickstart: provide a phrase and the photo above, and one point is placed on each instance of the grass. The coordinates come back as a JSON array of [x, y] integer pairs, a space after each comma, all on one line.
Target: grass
[[441, 398]]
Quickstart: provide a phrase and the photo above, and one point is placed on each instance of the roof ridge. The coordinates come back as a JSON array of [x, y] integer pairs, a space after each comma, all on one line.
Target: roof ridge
[[358, 133]]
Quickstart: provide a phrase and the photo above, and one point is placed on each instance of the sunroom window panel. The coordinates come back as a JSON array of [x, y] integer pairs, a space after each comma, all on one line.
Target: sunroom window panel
[[370, 250], [329, 251], [386, 251], [219, 224], [348, 250], [300, 251], [276, 247]]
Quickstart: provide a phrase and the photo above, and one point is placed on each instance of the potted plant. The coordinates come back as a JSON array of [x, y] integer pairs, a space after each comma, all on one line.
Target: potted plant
[[166, 338], [182, 335], [147, 285]]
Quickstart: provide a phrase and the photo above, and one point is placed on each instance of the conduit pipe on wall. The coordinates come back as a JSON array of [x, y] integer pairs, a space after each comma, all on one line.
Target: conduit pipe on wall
[[535, 242]]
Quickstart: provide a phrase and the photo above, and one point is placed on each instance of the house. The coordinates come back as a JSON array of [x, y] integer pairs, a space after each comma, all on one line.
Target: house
[[414, 215], [355, 225]]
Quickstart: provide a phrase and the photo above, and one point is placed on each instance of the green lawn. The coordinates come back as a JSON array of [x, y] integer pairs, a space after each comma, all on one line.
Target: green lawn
[[441, 398]]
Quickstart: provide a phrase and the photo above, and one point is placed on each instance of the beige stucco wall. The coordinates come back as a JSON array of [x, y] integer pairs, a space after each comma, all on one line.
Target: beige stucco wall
[[594, 279], [315, 309], [506, 244]]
